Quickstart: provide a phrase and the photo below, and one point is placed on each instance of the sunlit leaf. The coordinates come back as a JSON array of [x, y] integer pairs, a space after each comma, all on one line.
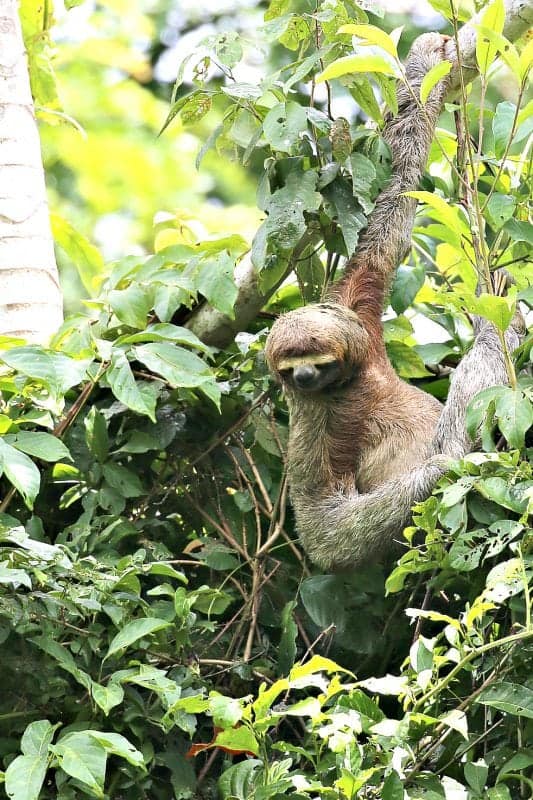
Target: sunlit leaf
[[348, 65], [84, 255], [373, 35], [20, 471], [432, 77]]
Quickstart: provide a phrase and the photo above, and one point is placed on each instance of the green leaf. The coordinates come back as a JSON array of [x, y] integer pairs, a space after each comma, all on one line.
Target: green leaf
[[20, 471], [432, 77], [132, 305], [285, 224], [348, 65], [283, 125], [519, 231], [511, 496], [37, 738], [25, 777], [502, 125], [191, 108], [96, 434], [511, 698], [363, 178], [238, 739], [492, 18], [117, 745], [166, 332], [515, 415], [287, 644], [406, 361], [133, 631], [214, 279], [226, 711], [499, 792], [521, 760], [125, 388], [39, 445], [500, 208], [14, 577], [57, 371], [176, 365], [506, 50], [84, 255], [478, 407], [373, 35], [227, 47], [443, 212], [238, 782], [392, 787], [499, 310], [476, 775], [83, 759], [64, 658], [408, 280], [348, 214], [107, 697], [122, 479]]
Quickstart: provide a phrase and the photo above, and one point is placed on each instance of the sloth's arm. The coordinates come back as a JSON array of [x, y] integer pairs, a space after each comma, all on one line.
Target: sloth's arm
[[341, 531], [387, 238]]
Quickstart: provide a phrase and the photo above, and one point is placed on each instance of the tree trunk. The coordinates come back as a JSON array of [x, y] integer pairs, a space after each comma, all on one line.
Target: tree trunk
[[30, 296], [215, 328]]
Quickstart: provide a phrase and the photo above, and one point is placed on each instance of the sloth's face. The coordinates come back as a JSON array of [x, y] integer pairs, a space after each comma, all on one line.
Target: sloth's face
[[316, 348]]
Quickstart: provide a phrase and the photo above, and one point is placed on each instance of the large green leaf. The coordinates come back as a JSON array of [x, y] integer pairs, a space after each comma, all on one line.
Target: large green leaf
[[84, 255], [81, 757], [25, 777], [37, 738], [348, 65], [134, 631], [132, 305], [57, 371], [283, 126], [515, 415], [117, 745], [511, 698], [126, 389], [492, 18], [39, 445], [407, 282], [237, 782], [214, 279], [176, 365], [20, 471]]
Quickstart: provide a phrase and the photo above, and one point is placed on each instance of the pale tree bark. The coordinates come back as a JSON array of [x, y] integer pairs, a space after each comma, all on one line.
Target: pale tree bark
[[216, 328], [30, 296]]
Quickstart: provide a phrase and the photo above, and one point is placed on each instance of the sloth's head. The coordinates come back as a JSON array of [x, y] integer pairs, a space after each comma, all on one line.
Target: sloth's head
[[316, 347]]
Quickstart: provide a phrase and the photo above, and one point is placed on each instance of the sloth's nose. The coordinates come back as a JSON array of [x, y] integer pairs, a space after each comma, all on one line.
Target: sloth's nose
[[305, 375]]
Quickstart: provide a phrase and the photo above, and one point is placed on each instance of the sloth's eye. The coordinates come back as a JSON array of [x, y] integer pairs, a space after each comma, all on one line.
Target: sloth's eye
[[335, 364]]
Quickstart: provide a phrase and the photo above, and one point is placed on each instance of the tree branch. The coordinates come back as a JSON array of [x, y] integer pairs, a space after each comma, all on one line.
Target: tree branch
[[215, 328]]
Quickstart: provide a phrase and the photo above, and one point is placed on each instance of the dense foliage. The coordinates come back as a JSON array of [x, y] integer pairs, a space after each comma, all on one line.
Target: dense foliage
[[162, 634]]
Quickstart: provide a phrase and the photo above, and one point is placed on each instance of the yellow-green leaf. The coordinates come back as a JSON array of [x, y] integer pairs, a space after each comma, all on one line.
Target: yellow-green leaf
[[506, 50], [432, 78], [493, 19], [352, 64], [372, 35], [526, 59], [446, 214]]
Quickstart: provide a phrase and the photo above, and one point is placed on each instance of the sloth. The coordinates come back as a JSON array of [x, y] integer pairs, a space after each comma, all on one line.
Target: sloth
[[364, 446]]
